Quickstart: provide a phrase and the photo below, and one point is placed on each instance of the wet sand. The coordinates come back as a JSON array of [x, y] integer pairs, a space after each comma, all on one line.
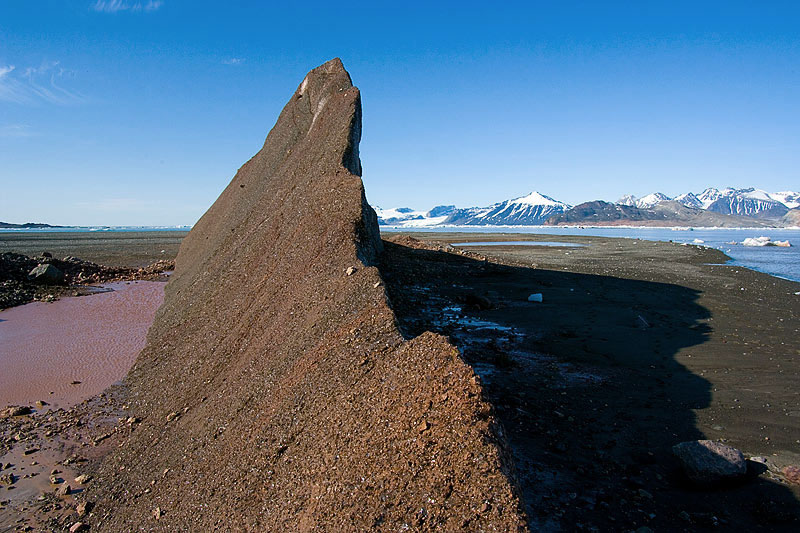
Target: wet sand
[[46, 347]]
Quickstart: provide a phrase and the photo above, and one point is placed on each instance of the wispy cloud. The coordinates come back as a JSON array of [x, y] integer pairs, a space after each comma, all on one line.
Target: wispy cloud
[[233, 61], [115, 6], [16, 131], [36, 84]]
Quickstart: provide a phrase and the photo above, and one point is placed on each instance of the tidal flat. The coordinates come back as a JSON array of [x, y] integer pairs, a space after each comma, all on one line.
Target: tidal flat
[[635, 346]]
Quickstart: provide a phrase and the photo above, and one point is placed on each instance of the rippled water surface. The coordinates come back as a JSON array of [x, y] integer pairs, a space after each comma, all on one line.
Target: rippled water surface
[[45, 347]]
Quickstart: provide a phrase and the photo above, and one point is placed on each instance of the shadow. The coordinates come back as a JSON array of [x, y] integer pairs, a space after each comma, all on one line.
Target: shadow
[[586, 386]]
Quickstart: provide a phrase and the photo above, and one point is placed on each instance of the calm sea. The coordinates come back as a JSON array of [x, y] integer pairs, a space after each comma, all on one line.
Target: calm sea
[[781, 262]]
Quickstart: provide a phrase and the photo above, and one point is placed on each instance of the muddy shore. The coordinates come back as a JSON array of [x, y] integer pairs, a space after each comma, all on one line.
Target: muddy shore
[[129, 249], [635, 346]]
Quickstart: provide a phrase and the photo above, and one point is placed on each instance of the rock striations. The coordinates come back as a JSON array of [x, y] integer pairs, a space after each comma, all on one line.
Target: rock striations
[[275, 391]]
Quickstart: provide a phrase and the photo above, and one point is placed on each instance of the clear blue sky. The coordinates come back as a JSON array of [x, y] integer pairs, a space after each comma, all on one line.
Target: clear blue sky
[[140, 111]]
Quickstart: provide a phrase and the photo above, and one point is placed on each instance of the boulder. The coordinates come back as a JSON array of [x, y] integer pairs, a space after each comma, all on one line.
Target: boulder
[[46, 274], [15, 410], [707, 462]]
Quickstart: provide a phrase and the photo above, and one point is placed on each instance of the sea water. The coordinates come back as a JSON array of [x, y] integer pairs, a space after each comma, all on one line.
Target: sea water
[[780, 262]]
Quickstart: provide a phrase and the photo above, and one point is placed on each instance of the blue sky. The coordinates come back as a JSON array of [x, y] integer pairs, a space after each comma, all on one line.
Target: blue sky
[[140, 111]]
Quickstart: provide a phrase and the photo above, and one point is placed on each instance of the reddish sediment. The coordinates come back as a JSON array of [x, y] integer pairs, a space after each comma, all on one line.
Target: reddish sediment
[[45, 348], [275, 391]]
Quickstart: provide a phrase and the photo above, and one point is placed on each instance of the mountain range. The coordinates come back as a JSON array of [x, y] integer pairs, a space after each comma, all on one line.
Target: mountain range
[[712, 207]]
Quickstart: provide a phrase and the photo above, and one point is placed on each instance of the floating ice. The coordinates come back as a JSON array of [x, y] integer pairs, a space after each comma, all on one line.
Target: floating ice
[[764, 241]]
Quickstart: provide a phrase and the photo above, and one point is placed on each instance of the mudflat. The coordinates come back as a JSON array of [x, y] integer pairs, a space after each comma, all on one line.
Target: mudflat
[[134, 249], [635, 346]]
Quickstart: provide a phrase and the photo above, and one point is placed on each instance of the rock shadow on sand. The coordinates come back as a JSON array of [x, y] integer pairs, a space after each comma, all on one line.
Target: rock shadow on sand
[[587, 385]]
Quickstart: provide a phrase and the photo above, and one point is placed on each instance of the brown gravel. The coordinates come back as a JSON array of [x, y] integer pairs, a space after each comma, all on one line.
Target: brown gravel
[[275, 391]]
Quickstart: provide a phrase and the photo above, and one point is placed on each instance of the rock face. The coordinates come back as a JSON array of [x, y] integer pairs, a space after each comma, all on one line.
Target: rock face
[[298, 405], [707, 462]]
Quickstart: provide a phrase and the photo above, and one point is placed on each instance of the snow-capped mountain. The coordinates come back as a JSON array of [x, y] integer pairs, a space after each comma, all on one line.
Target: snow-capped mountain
[[407, 217], [652, 200], [740, 205], [644, 202], [689, 200], [790, 199], [744, 202], [530, 210], [397, 215], [729, 201]]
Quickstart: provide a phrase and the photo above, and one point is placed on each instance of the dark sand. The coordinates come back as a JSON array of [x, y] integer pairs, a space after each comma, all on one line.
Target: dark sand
[[135, 249], [591, 397], [93, 340]]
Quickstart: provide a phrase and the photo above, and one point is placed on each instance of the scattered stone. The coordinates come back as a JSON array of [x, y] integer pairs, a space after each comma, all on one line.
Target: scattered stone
[[46, 273], [40, 404], [78, 526], [83, 479], [15, 410], [706, 462], [172, 416], [55, 480], [82, 508], [157, 513], [8, 479], [350, 271], [64, 490], [423, 426], [792, 474]]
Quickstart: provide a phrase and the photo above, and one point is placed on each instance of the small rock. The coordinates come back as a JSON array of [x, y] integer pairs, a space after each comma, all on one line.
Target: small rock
[[64, 490], [8, 479], [707, 462], [46, 274], [55, 480], [78, 526], [792, 474], [83, 479], [350, 271], [423, 426], [83, 507], [15, 410], [172, 416], [157, 513], [41, 403]]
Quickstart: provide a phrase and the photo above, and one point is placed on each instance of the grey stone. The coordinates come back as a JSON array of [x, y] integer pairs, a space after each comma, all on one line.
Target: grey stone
[[46, 273], [708, 462]]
